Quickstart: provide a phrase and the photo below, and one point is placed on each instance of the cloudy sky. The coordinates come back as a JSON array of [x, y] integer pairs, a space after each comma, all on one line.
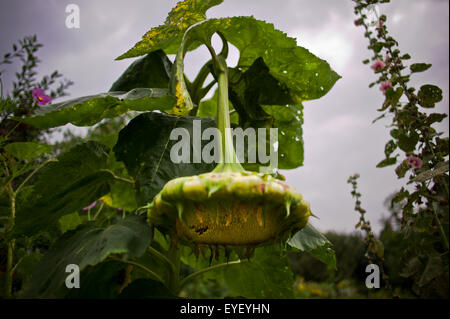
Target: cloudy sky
[[339, 137]]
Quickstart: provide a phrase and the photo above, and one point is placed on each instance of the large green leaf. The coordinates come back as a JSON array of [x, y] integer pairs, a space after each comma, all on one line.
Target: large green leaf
[[86, 246], [146, 289], [307, 76], [63, 187], [266, 275], [151, 71], [312, 241], [89, 110], [168, 36], [102, 281], [27, 150], [144, 146], [261, 101]]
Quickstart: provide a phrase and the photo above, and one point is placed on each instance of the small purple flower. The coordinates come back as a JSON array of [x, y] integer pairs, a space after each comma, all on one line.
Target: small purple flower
[[414, 161], [386, 85], [90, 206], [378, 65], [40, 97]]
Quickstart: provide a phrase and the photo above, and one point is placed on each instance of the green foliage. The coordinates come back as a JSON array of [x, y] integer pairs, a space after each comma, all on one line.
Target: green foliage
[[168, 36], [119, 254], [27, 150], [146, 289], [429, 95], [422, 212], [265, 275], [419, 67], [87, 246], [21, 102], [312, 241], [65, 186], [89, 110], [137, 74], [148, 159]]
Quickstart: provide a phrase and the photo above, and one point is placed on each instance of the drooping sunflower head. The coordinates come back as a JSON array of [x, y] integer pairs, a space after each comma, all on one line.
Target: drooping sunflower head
[[229, 209]]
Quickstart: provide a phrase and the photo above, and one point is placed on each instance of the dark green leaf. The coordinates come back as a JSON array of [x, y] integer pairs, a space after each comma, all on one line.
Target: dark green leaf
[[387, 161], [312, 241], [266, 275], [429, 95], [401, 169], [407, 142], [433, 269], [262, 102], [392, 98], [435, 117], [419, 67], [151, 71], [63, 187], [403, 194], [144, 146], [389, 148], [89, 110], [146, 289], [86, 246], [102, 281]]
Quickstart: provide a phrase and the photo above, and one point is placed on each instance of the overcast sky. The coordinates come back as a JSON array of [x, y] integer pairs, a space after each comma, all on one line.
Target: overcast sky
[[338, 135]]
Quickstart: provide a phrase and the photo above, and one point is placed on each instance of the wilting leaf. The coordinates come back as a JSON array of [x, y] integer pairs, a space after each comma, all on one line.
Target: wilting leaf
[[168, 36]]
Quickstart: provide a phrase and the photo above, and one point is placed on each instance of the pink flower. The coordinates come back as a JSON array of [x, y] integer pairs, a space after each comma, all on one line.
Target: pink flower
[[414, 161], [385, 85], [378, 65], [40, 97], [90, 206], [380, 24]]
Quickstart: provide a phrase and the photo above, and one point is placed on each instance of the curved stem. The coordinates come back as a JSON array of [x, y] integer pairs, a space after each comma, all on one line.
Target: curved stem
[[228, 160], [161, 257], [150, 272], [202, 271]]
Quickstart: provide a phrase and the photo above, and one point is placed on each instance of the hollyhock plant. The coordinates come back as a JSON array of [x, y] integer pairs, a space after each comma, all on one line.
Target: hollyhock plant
[[378, 65], [40, 97], [386, 85], [414, 161]]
